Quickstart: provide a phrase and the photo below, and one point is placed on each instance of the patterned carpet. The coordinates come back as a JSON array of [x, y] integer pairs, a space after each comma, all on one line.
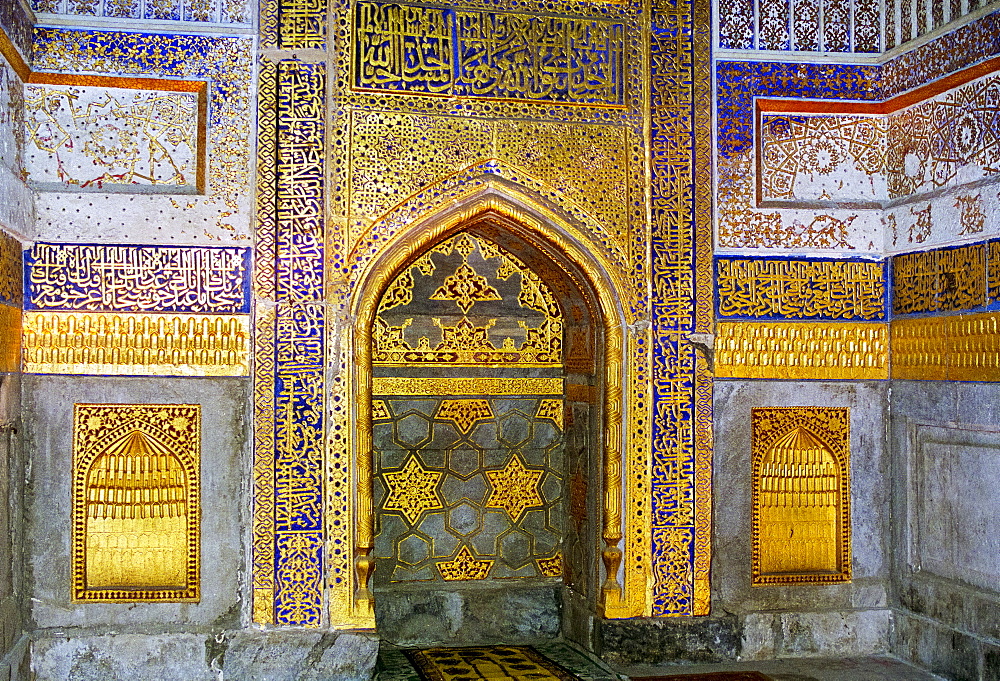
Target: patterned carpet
[[551, 661], [486, 663], [714, 676]]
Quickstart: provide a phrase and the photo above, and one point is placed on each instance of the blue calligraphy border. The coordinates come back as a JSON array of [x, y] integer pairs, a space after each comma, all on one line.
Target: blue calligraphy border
[[460, 85], [884, 304], [991, 295], [34, 290]]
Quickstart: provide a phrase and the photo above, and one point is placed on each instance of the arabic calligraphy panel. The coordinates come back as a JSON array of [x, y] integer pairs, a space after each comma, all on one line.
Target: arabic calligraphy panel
[[137, 278], [801, 289], [482, 54]]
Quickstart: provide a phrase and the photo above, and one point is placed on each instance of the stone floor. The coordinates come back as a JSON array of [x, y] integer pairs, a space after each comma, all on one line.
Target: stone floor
[[809, 669]]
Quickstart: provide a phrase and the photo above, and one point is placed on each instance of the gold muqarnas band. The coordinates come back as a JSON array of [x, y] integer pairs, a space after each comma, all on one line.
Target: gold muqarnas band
[[136, 343], [802, 350]]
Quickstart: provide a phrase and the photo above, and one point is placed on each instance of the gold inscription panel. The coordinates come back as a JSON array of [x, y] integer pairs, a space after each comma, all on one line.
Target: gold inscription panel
[[801, 529], [136, 483], [136, 344]]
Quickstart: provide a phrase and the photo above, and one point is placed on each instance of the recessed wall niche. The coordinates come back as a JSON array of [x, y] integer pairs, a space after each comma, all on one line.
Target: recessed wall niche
[[135, 502], [801, 530]]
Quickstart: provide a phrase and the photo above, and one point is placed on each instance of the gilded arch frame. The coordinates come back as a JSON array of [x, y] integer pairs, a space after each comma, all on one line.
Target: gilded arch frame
[[623, 593]]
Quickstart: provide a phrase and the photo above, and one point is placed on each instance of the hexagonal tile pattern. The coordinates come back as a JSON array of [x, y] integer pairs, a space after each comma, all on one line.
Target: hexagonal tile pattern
[[510, 520], [412, 430]]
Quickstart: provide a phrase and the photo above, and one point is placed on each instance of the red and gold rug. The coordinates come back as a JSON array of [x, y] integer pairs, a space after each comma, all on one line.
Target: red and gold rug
[[481, 663], [713, 676]]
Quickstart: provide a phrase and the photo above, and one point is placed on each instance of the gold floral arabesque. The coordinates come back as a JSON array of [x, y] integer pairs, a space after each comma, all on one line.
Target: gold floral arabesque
[[380, 410], [464, 566], [802, 350], [412, 490], [551, 566], [552, 410], [514, 488], [954, 348], [136, 502], [801, 515], [464, 413], [161, 344], [465, 386], [466, 342]]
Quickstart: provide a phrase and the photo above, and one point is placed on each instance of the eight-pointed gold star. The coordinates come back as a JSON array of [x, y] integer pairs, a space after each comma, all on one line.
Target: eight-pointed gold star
[[515, 488], [412, 490]]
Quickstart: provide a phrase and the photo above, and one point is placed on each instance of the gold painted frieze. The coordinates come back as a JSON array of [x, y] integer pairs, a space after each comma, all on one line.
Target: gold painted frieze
[[952, 348], [136, 344], [136, 509], [466, 386], [802, 350], [801, 517]]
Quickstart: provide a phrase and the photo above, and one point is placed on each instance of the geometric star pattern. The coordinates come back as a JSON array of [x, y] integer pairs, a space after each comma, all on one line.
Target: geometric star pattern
[[412, 490], [515, 488]]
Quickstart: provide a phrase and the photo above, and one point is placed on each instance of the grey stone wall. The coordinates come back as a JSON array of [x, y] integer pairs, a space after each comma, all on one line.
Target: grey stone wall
[[761, 622], [17, 220], [945, 445], [13, 642], [225, 482], [826, 620]]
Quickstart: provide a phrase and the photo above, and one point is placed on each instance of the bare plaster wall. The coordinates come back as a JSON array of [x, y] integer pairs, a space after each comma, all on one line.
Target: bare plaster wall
[[945, 447]]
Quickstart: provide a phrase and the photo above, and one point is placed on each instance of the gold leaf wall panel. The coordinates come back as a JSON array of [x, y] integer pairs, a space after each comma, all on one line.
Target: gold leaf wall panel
[[800, 495], [136, 509], [131, 344], [10, 338], [802, 350], [955, 348]]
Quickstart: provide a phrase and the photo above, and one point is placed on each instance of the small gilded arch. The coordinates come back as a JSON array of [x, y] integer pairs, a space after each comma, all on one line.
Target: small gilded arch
[[800, 504], [136, 516]]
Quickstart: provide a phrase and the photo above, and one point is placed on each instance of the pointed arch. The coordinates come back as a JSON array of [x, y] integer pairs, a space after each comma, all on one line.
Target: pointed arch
[[554, 236]]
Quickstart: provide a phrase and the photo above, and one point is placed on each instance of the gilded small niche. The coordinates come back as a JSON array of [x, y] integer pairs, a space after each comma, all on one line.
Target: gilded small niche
[[135, 502], [800, 495]]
